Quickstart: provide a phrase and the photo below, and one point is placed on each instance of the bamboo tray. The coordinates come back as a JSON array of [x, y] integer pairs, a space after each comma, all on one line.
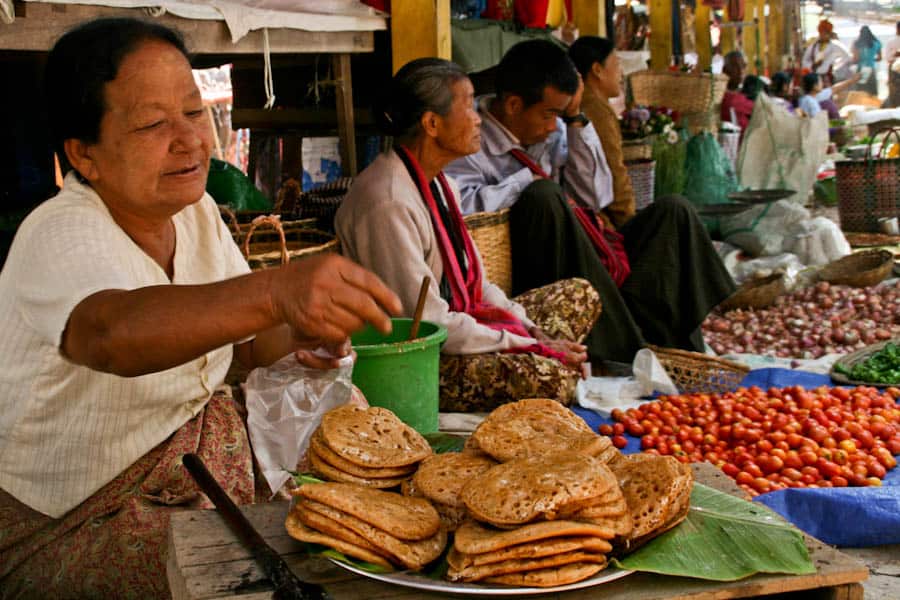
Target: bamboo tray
[[854, 358]]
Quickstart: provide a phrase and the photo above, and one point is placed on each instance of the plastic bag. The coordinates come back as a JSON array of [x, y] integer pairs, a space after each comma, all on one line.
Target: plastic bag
[[604, 394], [228, 185], [709, 176], [285, 404], [669, 152]]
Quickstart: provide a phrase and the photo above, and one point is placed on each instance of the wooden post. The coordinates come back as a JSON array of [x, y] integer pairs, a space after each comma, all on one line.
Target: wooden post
[[661, 34], [748, 38], [728, 36], [762, 41], [419, 28], [701, 33], [775, 36], [346, 122], [590, 17]]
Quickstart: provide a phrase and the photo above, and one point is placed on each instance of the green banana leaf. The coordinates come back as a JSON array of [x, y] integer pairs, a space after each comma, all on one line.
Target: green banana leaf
[[723, 538]]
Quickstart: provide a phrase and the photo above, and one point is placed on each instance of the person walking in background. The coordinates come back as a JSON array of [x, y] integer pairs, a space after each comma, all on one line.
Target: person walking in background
[[866, 52], [892, 60]]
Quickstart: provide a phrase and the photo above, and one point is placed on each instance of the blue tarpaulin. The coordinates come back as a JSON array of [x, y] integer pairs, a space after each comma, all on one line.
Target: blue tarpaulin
[[860, 516]]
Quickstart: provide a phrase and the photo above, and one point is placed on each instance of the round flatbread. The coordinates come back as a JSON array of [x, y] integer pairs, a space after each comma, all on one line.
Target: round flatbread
[[656, 488], [318, 445], [299, 531], [330, 473], [536, 426], [550, 577], [474, 538], [441, 477], [404, 517], [411, 554], [536, 487], [372, 437], [521, 565], [538, 549]]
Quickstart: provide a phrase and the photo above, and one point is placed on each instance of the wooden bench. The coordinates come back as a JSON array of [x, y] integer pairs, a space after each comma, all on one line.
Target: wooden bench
[[205, 560]]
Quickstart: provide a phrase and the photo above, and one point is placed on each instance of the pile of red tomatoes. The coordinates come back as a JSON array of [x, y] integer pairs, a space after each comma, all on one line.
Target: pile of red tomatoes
[[772, 439]]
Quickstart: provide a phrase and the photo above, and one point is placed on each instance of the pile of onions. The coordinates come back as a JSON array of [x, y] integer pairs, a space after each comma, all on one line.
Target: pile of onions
[[809, 323]]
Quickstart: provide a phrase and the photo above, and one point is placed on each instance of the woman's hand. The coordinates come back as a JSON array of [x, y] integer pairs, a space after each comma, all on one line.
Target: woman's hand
[[316, 359], [326, 298], [575, 353]]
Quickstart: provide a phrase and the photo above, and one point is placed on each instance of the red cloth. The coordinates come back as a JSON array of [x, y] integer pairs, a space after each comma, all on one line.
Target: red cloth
[[743, 108], [610, 245], [465, 291]]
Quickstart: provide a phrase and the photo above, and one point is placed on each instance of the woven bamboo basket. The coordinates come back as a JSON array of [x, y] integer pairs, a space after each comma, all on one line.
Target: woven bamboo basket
[[272, 248], [692, 372], [239, 222], [642, 174], [490, 232], [756, 293], [685, 92], [867, 189], [637, 149], [861, 269]]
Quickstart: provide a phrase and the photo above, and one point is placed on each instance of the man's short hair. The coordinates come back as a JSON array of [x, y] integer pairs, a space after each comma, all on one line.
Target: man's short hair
[[530, 66]]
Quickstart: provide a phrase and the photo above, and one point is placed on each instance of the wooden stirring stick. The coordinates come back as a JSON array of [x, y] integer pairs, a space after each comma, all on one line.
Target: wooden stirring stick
[[420, 306]]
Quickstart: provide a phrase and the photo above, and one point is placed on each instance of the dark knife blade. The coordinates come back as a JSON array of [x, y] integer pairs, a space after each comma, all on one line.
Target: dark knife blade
[[287, 585]]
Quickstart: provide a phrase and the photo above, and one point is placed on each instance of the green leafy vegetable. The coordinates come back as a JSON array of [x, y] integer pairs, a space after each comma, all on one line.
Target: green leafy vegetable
[[723, 538], [444, 442], [881, 367]]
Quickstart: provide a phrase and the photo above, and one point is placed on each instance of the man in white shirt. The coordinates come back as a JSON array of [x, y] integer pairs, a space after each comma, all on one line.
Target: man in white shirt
[[827, 56], [538, 151]]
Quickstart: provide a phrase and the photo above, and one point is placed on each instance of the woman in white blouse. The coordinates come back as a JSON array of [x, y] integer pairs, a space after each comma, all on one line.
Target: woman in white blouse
[[123, 299]]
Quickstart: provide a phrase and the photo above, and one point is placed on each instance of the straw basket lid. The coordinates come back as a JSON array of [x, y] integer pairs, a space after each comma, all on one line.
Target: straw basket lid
[[288, 243], [860, 269], [756, 293], [684, 92], [693, 372]]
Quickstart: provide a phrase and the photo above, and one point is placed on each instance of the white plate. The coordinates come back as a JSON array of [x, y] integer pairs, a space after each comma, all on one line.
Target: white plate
[[415, 580]]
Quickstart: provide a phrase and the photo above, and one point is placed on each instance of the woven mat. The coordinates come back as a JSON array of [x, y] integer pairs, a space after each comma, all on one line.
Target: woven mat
[[866, 240]]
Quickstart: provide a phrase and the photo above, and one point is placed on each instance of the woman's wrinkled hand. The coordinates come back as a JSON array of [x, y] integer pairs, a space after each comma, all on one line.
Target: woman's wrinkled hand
[[575, 353], [326, 298], [324, 356]]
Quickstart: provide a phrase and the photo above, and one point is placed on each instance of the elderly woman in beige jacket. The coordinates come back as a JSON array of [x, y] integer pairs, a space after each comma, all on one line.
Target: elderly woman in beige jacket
[[401, 220]]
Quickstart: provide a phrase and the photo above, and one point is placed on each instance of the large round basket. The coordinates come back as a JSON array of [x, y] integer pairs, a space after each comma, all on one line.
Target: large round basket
[[854, 358], [693, 372], [685, 92], [279, 245], [490, 232], [756, 293], [860, 269]]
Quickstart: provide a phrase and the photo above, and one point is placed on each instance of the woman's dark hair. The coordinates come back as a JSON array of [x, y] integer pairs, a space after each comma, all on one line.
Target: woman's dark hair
[[866, 38], [588, 50], [781, 83], [752, 86], [529, 67], [809, 82], [420, 86], [80, 65]]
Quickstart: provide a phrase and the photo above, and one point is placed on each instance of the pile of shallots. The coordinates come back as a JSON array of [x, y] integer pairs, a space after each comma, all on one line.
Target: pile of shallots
[[810, 322]]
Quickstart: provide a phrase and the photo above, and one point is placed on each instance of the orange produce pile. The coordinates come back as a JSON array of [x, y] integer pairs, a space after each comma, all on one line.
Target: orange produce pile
[[781, 437]]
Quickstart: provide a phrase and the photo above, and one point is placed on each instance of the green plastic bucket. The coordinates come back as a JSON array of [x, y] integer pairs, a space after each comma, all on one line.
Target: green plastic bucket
[[401, 375]]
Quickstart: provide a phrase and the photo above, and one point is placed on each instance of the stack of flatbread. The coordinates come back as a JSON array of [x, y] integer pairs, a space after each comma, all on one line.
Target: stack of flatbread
[[440, 479], [657, 490], [382, 528], [538, 426], [541, 520], [367, 446]]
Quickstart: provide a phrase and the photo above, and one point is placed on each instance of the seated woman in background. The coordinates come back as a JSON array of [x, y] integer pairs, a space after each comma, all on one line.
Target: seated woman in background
[[124, 298], [815, 98], [736, 107], [781, 92], [401, 219]]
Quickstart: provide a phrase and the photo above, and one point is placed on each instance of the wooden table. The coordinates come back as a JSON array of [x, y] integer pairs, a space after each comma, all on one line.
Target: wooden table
[[207, 561]]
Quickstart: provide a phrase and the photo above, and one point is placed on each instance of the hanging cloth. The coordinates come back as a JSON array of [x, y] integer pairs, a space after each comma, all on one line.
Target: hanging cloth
[[610, 245], [465, 287]]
